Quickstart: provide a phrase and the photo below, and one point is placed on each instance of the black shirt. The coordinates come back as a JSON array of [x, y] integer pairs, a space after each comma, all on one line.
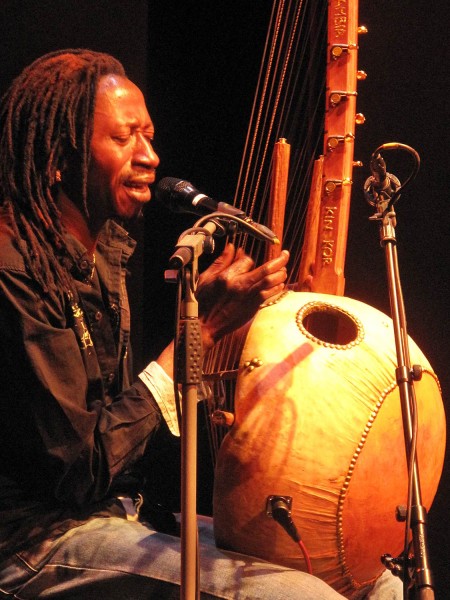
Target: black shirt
[[72, 421]]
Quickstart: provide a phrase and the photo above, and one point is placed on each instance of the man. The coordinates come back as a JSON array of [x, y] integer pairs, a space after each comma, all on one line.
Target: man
[[76, 161]]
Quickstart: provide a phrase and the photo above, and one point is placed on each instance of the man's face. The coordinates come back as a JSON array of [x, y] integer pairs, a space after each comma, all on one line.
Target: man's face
[[123, 161]]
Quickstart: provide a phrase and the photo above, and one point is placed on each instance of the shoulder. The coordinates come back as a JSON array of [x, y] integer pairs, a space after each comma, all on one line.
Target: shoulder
[[18, 289]]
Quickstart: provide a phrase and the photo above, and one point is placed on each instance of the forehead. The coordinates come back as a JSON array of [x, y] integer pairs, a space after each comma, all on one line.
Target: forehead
[[120, 101]]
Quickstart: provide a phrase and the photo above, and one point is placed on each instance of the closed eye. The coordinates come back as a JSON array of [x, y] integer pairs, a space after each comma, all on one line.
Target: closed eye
[[121, 139]]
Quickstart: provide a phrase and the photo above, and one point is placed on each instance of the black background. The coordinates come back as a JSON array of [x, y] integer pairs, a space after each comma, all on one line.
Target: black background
[[198, 63]]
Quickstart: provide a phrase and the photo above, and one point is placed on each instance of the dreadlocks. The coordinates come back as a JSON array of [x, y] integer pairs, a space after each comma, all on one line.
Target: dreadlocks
[[46, 121]]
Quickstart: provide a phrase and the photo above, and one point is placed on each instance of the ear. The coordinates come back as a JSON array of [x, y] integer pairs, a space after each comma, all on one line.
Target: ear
[[68, 176]]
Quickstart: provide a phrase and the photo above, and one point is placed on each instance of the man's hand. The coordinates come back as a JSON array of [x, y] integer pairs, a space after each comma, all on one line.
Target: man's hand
[[231, 290]]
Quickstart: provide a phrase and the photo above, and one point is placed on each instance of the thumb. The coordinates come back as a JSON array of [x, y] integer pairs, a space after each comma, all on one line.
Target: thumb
[[223, 261]]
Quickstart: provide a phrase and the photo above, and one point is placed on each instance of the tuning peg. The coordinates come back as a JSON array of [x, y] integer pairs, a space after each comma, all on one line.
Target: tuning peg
[[335, 140], [361, 75], [222, 418], [362, 29], [360, 119], [252, 364]]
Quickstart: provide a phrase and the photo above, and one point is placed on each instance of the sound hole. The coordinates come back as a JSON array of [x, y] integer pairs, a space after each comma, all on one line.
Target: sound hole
[[329, 325]]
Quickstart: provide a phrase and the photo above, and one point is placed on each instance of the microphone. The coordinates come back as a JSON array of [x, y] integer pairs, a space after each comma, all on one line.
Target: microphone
[[380, 179], [380, 183], [180, 196]]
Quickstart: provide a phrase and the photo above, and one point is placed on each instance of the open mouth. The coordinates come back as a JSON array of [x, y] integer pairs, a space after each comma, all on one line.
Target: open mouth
[[137, 185], [138, 190]]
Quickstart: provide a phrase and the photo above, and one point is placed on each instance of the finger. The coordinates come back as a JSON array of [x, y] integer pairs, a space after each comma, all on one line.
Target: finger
[[273, 291], [226, 257], [280, 261], [242, 263], [224, 260], [263, 273], [269, 282]]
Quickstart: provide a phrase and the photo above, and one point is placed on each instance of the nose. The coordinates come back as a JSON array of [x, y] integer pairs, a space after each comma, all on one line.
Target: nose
[[144, 154]]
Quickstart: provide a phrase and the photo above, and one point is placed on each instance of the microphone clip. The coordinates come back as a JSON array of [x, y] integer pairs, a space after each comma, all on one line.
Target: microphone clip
[[236, 222], [374, 195], [191, 244], [383, 189]]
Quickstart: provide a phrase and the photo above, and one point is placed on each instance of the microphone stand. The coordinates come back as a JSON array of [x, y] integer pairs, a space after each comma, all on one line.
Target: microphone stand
[[188, 361], [421, 583]]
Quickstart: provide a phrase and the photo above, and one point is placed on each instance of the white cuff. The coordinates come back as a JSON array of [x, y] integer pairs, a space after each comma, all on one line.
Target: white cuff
[[160, 385]]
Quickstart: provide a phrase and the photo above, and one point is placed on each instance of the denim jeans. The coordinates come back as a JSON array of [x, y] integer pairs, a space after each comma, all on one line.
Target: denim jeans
[[112, 558]]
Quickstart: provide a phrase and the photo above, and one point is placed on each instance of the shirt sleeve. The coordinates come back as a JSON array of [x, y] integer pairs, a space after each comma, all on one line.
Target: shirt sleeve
[[161, 387]]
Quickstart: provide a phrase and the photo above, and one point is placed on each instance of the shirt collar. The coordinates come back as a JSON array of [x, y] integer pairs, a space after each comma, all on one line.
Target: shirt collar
[[112, 235]]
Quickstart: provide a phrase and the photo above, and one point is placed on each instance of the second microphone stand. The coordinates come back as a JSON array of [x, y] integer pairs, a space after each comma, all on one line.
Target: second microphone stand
[[415, 572]]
